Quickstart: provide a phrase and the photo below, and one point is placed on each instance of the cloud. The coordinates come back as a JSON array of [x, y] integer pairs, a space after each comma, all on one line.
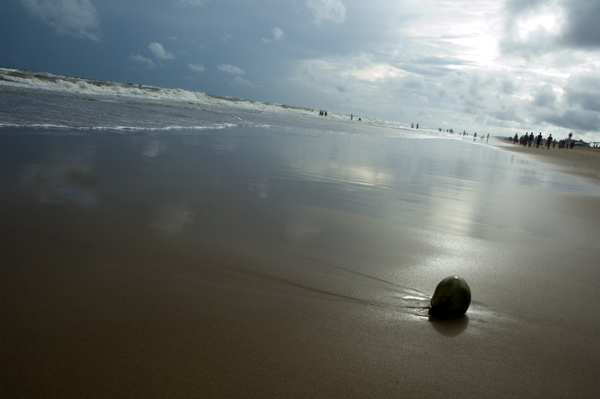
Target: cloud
[[531, 27], [76, 18], [583, 90], [327, 10], [582, 29], [196, 68], [239, 81], [227, 37], [575, 120], [545, 97], [413, 82], [277, 35], [143, 60], [230, 69], [537, 27], [160, 52]]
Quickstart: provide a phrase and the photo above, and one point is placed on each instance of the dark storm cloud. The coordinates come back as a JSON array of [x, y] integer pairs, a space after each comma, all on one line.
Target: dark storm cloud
[[574, 120], [582, 24], [519, 6], [583, 90]]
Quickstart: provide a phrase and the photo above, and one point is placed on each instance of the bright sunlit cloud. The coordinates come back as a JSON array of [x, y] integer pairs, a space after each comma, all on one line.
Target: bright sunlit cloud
[[68, 17], [159, 51], [230, 69]]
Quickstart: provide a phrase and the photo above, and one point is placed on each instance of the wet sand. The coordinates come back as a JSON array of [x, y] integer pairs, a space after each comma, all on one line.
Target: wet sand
[[581, 161], [283, 264]]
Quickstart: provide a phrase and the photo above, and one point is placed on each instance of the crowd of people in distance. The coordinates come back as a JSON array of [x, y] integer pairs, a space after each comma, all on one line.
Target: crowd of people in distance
[[528, 140], [324, 113]]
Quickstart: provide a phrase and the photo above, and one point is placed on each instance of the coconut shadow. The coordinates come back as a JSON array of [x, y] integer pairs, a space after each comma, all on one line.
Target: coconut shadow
[[449, 327]]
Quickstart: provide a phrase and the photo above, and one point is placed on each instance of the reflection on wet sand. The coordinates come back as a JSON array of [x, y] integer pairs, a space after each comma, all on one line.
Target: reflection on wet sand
[[451, 327]]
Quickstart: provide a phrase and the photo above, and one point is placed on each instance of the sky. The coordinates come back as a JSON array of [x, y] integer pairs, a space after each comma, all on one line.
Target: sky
[[486, 66]]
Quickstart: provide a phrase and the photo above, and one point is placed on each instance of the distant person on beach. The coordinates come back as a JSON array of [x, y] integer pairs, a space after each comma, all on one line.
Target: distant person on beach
[[530, 140], [516, 139], [538, 140], [549, 141], [417, 125], [412, 125], [351, 116]]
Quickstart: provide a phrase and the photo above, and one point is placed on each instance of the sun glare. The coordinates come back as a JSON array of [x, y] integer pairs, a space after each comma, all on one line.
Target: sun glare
[[547, 20]]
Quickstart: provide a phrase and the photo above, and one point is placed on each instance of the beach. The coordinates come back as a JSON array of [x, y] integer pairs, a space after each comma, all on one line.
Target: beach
[[580, 161], [254, 262]]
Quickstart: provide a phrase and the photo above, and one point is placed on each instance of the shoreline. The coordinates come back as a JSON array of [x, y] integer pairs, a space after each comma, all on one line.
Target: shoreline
[[583, 162]]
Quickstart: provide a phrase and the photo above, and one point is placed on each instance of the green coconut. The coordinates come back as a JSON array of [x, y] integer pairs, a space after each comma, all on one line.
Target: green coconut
[[451, 298]]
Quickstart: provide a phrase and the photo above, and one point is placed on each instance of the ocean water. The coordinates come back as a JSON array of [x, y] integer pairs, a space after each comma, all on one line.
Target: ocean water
[[34, 99]]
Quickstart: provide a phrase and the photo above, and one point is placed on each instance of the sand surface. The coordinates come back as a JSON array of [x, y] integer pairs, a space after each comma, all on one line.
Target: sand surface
[[581, 161], [252, 264]]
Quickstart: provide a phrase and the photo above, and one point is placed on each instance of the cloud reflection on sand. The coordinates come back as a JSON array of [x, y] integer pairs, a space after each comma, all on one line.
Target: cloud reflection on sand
[[172, 218], [62, 174]]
